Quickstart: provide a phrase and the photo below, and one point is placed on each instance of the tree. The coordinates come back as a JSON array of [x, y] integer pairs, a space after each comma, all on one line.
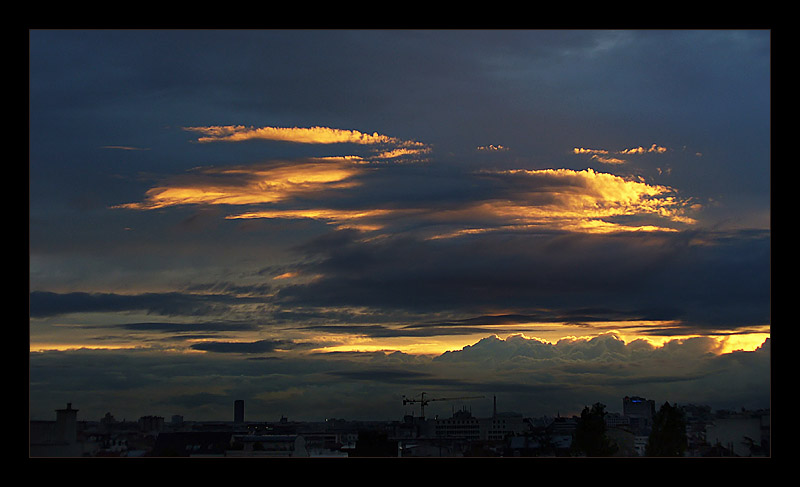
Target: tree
[[590, 433], [668, 436]]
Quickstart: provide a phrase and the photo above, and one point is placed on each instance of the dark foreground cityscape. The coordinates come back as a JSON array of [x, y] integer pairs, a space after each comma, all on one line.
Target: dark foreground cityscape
[[643, 429]]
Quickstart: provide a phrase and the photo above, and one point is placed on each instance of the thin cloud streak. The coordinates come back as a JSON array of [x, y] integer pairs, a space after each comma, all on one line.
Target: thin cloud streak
[[603, 155], [312, 135], [249, 185]]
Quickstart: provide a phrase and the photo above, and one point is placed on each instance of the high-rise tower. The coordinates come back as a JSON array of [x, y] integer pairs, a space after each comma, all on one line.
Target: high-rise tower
[[66, 425]]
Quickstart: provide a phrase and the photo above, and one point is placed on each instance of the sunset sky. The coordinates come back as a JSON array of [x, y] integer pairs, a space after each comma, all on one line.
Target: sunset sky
[[321, 222]]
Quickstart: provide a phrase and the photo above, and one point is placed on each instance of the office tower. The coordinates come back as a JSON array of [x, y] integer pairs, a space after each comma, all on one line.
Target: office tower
[[66, 424]]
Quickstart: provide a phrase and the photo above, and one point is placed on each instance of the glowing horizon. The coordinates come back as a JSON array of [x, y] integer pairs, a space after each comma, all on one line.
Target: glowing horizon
[[725, 344]]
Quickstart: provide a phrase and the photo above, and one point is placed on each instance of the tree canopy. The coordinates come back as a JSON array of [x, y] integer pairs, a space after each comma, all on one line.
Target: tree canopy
[[668, 436], [590, 434]]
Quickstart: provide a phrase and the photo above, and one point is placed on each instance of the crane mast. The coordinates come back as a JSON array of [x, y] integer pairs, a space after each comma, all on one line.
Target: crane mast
[[424, 402]]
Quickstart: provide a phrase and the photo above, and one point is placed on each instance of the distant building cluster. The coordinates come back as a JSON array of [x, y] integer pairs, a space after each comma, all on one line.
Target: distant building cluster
[[708, 433]]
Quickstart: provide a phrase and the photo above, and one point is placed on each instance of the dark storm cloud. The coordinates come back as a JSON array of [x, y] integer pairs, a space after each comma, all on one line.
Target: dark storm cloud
[[430, 187], [573, 316], [84, 370], [190, 401], [381, 375], [414, 330], [652, 277], [189, 327], [167, 333], [43, 304], [260, 346], [485, 85]]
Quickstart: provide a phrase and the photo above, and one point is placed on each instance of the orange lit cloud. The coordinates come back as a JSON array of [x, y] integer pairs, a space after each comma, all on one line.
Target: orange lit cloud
[[341, 218], [492, 148], [402, 152], [286, 275], [642, 150], [579, 150], [562, 199], [608, 160], [249, 185], [576, 201], [310, 135], [316, 135], [600, 154], [588, 188]]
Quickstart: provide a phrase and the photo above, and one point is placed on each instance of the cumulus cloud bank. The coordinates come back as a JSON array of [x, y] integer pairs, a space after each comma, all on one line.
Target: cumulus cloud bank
[[528, 375]]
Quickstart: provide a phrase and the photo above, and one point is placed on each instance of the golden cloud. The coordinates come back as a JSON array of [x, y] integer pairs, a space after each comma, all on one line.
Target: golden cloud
[[599, 154], [249, 185], [564, 199], [608, 160], [316, 135], [304, 135], [402, 152], [580, 150], [576, 201], [642, 150], [492, 148], [340, 218]]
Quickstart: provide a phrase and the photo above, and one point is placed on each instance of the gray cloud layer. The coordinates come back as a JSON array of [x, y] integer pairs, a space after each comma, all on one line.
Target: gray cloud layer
[[657, 277]]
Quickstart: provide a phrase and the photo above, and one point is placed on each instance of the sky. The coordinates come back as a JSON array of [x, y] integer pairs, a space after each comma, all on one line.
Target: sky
[[323, 222]]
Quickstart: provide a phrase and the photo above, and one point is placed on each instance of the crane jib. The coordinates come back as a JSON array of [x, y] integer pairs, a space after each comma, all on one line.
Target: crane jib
[[423, 401]]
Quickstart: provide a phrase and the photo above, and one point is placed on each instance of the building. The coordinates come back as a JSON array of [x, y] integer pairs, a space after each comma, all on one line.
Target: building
[[560, 433], [640, 413], [462, 425], [628, 445], [631, 430], [633, 406], [192, 444], [697, 417], [268, 446], [67, 424], [616, 420], [108, 422], [504, 425], [151, 424], [432, 447], [742, 434], [56, 439]]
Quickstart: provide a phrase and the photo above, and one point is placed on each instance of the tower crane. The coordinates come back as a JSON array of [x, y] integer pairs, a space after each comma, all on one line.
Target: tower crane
[[423, 401]]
